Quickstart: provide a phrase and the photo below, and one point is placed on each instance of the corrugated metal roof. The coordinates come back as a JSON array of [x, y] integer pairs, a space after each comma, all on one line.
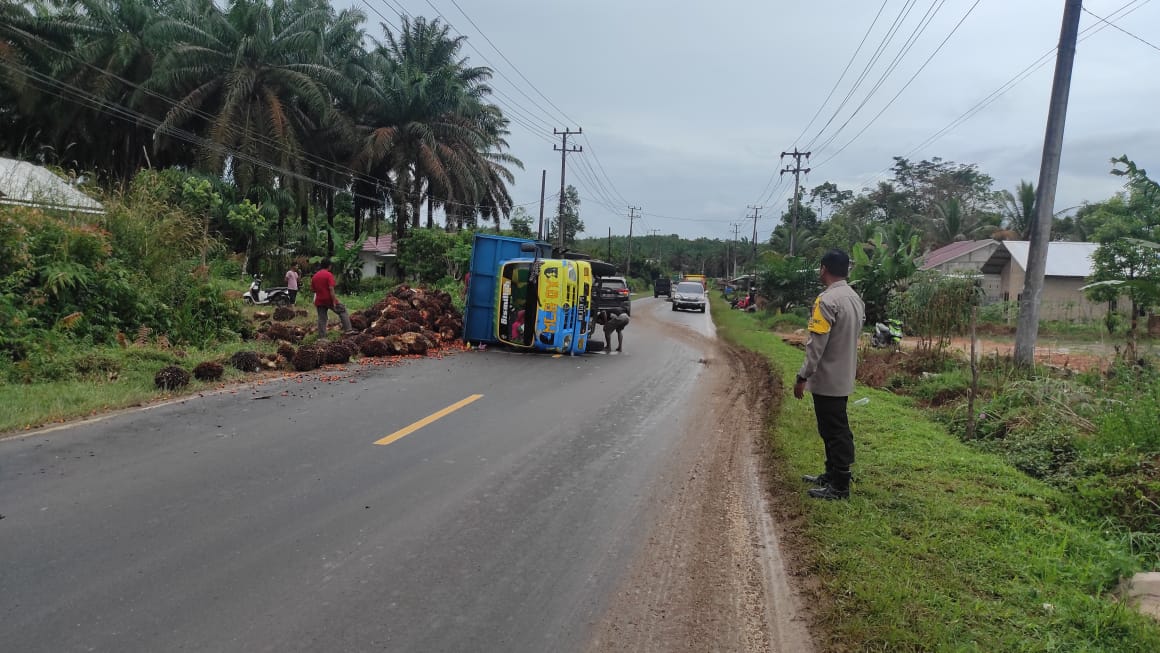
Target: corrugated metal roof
[[952, 251], [27, 184], [1064, 259]]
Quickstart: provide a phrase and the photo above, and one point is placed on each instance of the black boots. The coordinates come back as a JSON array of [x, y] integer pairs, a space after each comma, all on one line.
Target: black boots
[[836, 486], [819, 479]]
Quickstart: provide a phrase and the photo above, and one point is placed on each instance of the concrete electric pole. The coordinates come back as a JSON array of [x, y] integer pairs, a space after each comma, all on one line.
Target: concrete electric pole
[[736, 239], [632, 218], [1027, 329], [797, 171], [543, 189], [753, 279], [564, 150]]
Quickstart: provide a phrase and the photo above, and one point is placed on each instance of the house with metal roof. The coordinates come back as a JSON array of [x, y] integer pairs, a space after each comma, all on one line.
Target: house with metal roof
[[966, 257], [1069, 264], [27, 184]]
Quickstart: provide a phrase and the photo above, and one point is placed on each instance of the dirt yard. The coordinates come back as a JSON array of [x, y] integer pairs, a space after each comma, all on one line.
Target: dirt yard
[[1070, 354]]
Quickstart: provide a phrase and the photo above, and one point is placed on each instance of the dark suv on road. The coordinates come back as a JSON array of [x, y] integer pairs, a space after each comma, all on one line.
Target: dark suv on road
[[662, 286], [611, 294]]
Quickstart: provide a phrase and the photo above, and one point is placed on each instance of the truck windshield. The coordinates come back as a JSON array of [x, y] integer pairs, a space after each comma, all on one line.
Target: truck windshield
[[517, 302]]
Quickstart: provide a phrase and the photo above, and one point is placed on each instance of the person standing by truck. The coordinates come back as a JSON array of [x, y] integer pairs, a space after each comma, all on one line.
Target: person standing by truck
[[828, 372], [325, 298]]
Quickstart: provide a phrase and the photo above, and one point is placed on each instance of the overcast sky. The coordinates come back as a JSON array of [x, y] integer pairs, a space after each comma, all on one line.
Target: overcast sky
[[687, 105]]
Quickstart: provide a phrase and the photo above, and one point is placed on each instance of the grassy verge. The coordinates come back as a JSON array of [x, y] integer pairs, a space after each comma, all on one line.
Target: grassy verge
[[109, 378], [941, 547], [77, 382]]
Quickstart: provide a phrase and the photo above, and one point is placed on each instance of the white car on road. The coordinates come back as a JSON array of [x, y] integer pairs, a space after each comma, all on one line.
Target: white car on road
[[689, 294]]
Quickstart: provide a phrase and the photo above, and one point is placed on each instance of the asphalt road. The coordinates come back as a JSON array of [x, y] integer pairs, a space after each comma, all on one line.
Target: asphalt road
[[268, 519]]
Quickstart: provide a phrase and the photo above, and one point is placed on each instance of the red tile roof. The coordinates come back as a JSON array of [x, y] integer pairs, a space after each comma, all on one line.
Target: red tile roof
[[952, 251], [384, 245]]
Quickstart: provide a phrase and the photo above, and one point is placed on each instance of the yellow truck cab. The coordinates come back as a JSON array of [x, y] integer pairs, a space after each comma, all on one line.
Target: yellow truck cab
[[545, 304]]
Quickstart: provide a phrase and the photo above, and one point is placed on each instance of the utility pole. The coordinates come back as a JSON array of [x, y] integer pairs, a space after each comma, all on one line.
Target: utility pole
[[632, 218], [736, 241], [543, 188], [1027, 329], [610, 244], [797, 171], [753, 279], [564, 150], [654, 235]]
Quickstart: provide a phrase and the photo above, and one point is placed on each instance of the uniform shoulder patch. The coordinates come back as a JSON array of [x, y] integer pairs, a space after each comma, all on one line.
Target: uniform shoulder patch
[[818, 322]]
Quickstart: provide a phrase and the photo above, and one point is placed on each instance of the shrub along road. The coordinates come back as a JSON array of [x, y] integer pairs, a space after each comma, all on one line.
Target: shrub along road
[[486, 501]]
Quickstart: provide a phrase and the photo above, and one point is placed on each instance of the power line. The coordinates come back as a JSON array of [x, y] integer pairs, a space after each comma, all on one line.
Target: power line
[[909, 44], [602, 170], [904, 86], [1003, 89], [829, 95], [891, 32], [886, 39], [842, 76], [514, 67], [471, 45], [1117, 27]]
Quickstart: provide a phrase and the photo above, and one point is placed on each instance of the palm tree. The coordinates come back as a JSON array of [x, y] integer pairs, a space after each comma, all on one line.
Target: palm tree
[[106, 57], [425, 118], [252, 80], [1019, 209], [951, 223], [803, 240]]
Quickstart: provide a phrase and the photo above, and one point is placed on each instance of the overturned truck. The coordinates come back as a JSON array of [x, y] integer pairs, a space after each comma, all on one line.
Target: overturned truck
[[523, 294]]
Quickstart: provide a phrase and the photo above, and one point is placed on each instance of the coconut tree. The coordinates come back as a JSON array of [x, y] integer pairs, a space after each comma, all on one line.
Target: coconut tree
[[1019, 209], [951, 223]]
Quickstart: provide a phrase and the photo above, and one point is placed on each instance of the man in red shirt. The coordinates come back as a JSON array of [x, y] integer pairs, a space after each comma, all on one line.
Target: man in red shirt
[[322, 283]]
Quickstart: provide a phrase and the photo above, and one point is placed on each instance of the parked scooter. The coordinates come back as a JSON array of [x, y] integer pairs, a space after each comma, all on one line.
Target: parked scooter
[[888, 334], [255, 295]]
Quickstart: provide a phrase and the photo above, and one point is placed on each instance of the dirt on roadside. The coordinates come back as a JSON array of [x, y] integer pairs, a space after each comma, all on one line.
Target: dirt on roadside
[[712, 575], [1080, 357]]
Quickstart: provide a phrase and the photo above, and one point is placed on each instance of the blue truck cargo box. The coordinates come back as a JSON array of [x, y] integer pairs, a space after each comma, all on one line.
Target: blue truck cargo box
[[487, 253]]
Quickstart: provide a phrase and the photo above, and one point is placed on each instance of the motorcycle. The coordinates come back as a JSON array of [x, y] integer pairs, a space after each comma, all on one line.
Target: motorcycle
[[888, 334], [256, 296], [744, 303]]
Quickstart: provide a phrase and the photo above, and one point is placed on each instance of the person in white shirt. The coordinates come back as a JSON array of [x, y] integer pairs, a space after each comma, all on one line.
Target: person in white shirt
[[292, 282]]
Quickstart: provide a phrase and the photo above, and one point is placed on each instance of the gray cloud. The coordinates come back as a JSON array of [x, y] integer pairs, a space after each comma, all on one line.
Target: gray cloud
[[688, 104]]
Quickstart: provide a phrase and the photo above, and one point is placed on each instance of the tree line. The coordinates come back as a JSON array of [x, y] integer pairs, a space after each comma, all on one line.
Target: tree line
[[301, 109]]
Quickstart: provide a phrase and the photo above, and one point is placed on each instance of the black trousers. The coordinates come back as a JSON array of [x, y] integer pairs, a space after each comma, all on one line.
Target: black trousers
[[834, 427]]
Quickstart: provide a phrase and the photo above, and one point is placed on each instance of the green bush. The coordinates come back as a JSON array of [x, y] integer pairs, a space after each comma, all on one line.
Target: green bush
[[428, 255], [935, 306]]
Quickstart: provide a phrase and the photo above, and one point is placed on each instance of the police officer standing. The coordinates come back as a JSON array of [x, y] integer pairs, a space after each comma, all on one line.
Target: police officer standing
[[829, 369]]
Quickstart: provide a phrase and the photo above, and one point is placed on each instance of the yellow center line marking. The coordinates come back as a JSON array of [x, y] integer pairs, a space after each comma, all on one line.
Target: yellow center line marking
[[557, 355], [433, 417]]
